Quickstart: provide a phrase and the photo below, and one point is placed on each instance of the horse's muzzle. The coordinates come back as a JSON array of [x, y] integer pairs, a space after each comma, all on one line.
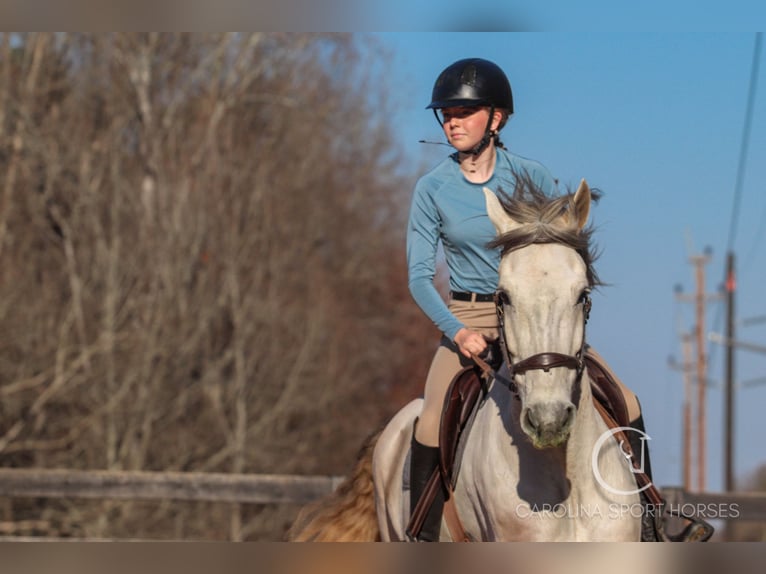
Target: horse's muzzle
[[548, 425]]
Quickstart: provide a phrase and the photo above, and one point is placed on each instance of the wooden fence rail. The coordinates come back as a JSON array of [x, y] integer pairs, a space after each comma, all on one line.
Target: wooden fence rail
[[143, 485], [276, 488]]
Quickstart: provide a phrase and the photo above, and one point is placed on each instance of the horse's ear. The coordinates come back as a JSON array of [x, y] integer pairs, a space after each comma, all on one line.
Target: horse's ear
[[582, 204], [497, 215]]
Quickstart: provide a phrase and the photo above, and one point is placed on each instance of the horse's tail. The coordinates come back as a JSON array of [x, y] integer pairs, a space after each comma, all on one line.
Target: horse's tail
[[348, 514]]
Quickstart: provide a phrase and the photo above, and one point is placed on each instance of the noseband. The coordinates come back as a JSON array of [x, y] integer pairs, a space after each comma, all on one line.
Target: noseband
[[541, 361]]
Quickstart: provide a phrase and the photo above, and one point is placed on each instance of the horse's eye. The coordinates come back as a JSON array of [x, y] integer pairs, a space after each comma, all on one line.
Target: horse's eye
[[502, 298], [585, 301]]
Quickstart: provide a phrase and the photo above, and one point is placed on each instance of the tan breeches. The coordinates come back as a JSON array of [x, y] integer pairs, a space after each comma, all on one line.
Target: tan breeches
[[448, 361]]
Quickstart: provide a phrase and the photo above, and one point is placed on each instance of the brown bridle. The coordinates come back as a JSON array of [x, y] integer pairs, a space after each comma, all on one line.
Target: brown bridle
[[541, 361]]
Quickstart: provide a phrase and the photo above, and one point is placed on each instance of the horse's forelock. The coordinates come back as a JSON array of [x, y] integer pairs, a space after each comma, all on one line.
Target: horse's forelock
[[545, 219]]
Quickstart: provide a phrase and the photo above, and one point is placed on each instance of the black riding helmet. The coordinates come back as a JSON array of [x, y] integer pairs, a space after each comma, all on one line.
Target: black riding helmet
[[473, 82]]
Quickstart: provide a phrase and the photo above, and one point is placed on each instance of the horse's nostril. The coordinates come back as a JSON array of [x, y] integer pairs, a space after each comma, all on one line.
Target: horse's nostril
[[571, 412], [531, 421]]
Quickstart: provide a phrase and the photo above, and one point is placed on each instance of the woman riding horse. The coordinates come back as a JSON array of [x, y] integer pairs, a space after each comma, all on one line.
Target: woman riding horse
[[472, 100]]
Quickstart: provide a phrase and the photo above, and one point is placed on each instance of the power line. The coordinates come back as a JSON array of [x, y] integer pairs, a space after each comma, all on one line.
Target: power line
[[742, 164], [730, 280], [745, 143], [761, 229]]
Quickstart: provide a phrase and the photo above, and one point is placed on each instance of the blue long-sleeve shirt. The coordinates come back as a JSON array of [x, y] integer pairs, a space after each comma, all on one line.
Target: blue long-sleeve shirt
[[448, 208]]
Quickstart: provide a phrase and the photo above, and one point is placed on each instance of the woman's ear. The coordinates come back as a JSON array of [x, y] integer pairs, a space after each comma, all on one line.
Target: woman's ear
[[497, 120]]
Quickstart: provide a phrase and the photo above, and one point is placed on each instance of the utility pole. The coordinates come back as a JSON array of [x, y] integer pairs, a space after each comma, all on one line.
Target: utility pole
[[686, 368], [699, 262], [699, 298], [729, 401], [687, 414]]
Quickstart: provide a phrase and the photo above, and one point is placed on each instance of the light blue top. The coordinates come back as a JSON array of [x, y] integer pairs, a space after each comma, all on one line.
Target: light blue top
[[448, 208]]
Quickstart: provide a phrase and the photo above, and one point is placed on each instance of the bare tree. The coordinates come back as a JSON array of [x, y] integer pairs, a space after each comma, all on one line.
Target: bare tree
[[201, 239]]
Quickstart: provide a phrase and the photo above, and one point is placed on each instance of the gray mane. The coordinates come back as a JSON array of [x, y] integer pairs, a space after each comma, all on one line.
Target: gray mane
[[546, 219]]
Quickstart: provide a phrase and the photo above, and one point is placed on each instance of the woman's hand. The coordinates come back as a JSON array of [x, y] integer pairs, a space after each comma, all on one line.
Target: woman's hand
[[470, 342]]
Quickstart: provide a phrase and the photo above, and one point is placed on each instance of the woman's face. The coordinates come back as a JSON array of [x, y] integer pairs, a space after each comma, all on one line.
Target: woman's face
[[464, 126]]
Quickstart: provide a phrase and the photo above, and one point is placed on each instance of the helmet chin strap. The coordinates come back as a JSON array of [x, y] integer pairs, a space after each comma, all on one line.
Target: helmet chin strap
[[488, 135]]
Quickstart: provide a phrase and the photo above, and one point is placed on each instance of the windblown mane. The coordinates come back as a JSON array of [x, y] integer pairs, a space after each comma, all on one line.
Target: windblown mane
[[545, 219]]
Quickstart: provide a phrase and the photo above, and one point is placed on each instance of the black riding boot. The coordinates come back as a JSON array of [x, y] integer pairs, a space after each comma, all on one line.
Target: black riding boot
[[641, 451], [423, 461], [694, 529]]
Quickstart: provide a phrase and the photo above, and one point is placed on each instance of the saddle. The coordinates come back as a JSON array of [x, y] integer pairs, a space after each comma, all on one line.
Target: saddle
[[465, 396]]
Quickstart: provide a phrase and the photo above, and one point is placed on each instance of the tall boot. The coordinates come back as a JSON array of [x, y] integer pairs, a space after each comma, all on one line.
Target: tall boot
[[423, 461], [641, 450], [695, 529]]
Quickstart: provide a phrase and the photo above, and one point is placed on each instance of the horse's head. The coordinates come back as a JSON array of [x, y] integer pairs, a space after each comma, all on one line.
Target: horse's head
[[543, 300]]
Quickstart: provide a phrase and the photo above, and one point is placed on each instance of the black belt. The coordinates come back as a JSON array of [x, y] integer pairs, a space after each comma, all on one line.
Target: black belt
[[478, 297]]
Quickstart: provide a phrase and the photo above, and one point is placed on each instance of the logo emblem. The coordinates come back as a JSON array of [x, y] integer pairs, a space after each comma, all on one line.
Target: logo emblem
[[608, 435]]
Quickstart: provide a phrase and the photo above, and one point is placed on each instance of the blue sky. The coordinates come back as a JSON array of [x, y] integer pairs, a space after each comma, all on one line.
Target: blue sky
[[655, 120], [550, 15]]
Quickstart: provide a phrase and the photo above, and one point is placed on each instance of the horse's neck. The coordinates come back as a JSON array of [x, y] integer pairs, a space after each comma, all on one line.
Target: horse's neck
[[585, 432]]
